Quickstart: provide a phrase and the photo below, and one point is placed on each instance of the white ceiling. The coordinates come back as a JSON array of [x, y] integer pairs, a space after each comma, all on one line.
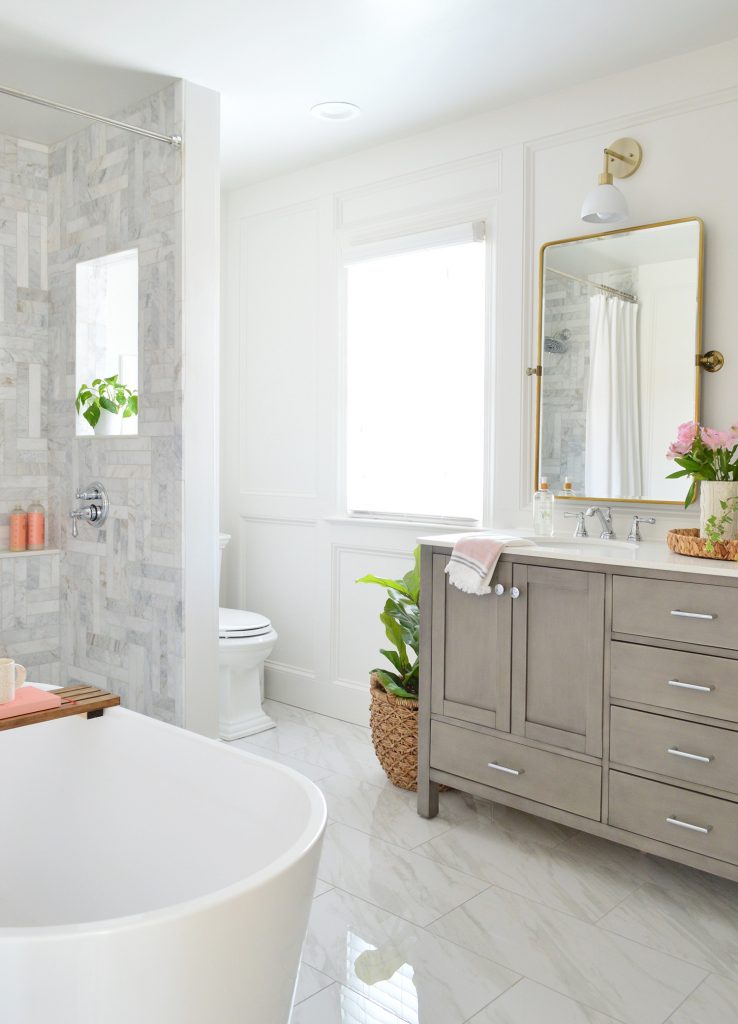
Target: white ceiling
[[409, 64]]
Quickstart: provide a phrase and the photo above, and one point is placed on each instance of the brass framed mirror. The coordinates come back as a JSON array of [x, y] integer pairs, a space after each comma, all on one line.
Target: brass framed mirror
[[619, 340]]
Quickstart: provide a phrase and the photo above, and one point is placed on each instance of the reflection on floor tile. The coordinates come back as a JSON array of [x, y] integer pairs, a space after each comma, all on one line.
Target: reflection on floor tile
[[585, 878], [392, 878], [337, 1005], [321, 887], [420, 978], [577, 959], [714, 1002], [530, 1003]]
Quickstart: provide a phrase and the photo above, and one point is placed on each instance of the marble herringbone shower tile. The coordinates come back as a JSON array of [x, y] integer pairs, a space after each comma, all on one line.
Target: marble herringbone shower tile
[[579, 960]]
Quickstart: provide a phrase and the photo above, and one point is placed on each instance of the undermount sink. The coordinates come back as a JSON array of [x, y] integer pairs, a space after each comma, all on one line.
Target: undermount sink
[[594, 546]]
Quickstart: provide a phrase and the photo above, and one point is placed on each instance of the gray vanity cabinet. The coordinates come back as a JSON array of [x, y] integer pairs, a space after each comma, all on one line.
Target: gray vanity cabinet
[[602, 696], [558, 655], [472, 647]]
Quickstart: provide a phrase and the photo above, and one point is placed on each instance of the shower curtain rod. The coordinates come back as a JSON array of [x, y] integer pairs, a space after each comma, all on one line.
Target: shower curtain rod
[[593, 284], [173, 140]]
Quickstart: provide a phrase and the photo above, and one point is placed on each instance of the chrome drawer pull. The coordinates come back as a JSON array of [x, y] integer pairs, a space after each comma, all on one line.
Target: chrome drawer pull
[[692, 615], [502, 768], [691, 686], [692, 828], [691, 757]]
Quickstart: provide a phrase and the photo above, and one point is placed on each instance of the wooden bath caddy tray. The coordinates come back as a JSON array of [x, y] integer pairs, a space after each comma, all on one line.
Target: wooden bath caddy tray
[[75, 700], [689, 542]]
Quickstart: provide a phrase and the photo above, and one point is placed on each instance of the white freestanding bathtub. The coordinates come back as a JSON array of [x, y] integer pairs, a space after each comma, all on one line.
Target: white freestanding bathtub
[[149, 876]]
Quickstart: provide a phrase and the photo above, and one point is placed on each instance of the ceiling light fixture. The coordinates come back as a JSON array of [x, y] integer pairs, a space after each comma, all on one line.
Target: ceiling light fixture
[[336, 110], [606, 204]]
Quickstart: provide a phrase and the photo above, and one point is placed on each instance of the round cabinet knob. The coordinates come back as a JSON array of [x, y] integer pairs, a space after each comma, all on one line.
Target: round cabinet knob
[[499, 589], [514, 593]]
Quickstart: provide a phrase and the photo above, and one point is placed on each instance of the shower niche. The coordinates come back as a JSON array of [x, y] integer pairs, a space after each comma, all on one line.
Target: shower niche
[[106, 364]]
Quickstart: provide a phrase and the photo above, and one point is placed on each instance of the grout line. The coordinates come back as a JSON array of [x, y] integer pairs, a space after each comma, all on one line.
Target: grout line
[[498, 996], [688, 996]]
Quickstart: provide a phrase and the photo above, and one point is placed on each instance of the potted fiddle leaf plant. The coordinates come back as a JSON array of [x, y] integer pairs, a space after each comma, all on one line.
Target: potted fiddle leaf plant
[[105, 404], [394, 688]]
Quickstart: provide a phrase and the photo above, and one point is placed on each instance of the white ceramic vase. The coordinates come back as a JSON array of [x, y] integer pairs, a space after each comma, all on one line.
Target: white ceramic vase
[[712, 492], [109, 424]]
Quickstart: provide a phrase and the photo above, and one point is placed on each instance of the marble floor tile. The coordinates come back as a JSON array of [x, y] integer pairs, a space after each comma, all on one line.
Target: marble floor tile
[[582, 961], [715, 1001], [289, 736], [342, 755], [584, 878], [698, 923], [337, 1005], [531, 1003], [417, 976], [310, 981], [313, 772], [391, 877], [384, 811], [321, 887]]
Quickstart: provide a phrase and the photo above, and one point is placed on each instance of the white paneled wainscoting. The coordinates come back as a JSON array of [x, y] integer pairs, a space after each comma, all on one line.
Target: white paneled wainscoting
[[523, 171]]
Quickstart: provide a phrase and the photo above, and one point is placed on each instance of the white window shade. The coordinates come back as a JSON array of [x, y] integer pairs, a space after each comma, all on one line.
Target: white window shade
[[415, 376]]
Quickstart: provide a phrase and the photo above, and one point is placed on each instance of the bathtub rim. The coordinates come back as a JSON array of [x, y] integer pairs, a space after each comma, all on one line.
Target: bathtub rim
[[310, 836]]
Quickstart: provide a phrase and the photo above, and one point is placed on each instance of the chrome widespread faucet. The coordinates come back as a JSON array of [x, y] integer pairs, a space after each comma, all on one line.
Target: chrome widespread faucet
[[635, 531], [605, 518]]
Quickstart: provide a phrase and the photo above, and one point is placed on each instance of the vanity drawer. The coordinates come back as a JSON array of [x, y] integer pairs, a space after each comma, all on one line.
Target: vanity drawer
[[642, 740], [540, 775], [693, 613], [692, 821], [699, 684]]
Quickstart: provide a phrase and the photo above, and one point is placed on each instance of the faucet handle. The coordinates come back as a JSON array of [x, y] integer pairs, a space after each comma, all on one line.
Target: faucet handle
[[580, 530], [634, 536]]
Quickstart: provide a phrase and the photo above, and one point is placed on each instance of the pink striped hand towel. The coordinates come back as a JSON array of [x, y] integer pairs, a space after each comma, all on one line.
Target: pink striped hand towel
[[474, 558]]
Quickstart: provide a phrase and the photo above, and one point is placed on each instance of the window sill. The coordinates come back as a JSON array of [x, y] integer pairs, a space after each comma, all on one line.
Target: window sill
[[424, 524]]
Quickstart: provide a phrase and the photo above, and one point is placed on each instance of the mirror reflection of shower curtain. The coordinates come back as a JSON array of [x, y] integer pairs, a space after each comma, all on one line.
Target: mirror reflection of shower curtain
[[612, 461]]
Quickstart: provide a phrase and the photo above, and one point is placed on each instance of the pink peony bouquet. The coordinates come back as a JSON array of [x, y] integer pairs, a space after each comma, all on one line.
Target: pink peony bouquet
[[704, 454]]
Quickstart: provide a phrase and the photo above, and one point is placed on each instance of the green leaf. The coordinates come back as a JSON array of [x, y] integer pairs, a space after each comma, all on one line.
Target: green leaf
[[133, 405], [681, 472], [388, 584], [392, 685], [691, 494], [105, 403], [92, 414]]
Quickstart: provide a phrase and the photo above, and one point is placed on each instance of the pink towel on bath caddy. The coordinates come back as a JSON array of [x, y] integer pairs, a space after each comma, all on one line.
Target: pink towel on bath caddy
[[27, 700], [474, 558]]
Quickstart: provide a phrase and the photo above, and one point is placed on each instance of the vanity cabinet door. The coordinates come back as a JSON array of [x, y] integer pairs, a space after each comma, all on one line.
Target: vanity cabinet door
[[471, 650], [558, 657]]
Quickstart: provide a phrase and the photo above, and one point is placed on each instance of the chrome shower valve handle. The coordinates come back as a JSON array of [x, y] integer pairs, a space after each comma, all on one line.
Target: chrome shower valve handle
[[95, 511]]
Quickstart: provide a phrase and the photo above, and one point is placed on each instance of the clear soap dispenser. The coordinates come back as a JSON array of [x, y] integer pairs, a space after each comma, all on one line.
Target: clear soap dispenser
[[543, 507], [567, 491]]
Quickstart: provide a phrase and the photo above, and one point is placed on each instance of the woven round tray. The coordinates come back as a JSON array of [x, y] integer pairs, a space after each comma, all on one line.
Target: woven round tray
[[689, 542]]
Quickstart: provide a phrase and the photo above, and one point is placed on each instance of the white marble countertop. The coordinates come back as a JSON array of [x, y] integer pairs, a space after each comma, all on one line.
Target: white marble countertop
[[646, 555]]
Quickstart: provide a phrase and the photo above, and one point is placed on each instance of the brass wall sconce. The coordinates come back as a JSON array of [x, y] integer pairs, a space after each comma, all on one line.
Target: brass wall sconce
[[606, 204]]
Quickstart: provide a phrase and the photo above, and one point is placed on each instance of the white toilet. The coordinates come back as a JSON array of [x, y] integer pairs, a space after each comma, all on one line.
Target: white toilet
[[246, 641]]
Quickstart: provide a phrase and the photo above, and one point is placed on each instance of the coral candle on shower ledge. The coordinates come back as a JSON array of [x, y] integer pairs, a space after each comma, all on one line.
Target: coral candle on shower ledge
[[18, 523]]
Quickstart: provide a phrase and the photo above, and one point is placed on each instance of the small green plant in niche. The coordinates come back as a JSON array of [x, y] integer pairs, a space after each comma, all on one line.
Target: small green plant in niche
[[106, 394], [401, 621]]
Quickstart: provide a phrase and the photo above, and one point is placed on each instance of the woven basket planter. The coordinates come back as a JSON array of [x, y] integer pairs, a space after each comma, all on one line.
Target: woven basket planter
[[394, 725]]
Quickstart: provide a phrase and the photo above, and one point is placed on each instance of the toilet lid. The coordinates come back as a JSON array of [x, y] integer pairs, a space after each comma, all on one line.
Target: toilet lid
[[236, 624]]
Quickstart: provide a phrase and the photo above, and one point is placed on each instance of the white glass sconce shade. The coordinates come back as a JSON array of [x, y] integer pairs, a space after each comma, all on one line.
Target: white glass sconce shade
[[605, 204]]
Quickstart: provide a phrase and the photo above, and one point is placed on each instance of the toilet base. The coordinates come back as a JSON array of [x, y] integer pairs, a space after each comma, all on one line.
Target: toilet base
[[240, 710], [258, 722]]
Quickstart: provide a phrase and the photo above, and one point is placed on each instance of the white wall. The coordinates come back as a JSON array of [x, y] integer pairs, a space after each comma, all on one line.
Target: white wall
[[525, 169]]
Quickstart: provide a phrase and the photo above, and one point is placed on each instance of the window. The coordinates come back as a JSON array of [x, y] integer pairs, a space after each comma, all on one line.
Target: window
[[107, 325], [415, 376]]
